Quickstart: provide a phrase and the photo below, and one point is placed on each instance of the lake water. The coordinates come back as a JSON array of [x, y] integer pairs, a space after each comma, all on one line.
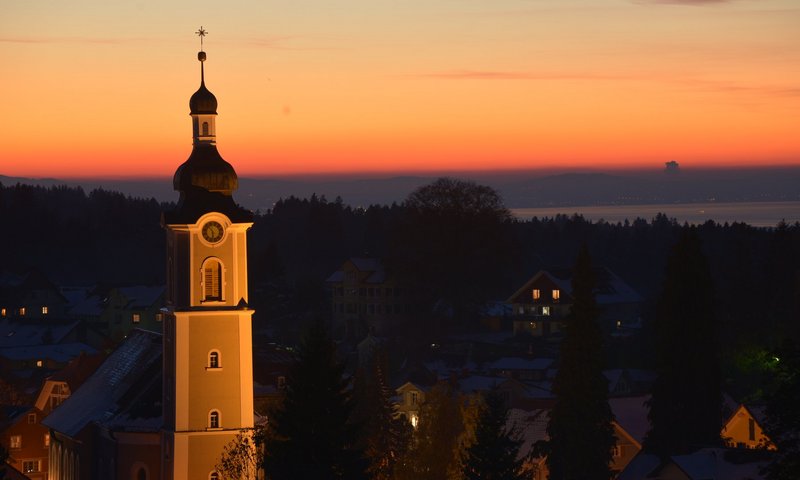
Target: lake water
[[757, 214]]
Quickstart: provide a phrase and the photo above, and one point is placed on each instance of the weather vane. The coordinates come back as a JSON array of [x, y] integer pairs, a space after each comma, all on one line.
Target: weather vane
[[201, 33]]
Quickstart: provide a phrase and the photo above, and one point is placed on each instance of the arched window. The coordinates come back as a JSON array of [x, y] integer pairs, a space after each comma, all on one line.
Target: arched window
[[205, 129], [213, 476], [212, 280], [213, 359], [141, 474], [213, 419]]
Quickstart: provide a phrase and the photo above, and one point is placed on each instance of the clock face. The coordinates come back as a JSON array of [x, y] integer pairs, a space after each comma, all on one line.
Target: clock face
[[212, 232]]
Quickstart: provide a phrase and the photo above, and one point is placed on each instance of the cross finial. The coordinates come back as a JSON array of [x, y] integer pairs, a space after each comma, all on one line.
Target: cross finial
[[201, 33]]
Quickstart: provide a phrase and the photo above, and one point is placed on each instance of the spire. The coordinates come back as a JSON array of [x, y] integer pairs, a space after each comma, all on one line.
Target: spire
[[203, 101]]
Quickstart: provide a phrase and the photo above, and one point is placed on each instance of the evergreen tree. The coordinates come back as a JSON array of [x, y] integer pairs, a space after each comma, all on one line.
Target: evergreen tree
[[385, 437], [580, 431], [311, 436], [686, 406], [494, 455], [783, 415], [435, 448]]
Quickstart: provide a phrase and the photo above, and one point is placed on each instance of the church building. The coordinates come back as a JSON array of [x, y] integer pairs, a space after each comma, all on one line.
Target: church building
[[163, 407], [208, 356]]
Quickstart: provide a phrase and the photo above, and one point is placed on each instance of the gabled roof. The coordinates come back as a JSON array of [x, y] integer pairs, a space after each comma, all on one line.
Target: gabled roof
[[142, 296], [60, 353], [516, 363], [99, 398], [610, 289], [373, 266], [29, 333], [630, 413]]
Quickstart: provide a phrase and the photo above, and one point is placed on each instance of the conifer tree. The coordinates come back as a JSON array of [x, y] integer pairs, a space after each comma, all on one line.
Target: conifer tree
[[783, 414], [494, 455], [580, 430], [311, 436], [385, 437], [686, 406], [435, 450]]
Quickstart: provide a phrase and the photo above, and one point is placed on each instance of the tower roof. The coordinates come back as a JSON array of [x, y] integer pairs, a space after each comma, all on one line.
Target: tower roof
[[205, 180], [203, 101]]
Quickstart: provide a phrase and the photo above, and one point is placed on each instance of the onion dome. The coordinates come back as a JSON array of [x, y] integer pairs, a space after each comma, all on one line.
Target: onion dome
[[206, 169], [203, 101]]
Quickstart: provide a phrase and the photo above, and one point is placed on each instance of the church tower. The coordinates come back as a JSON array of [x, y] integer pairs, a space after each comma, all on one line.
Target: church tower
[[208, 369]]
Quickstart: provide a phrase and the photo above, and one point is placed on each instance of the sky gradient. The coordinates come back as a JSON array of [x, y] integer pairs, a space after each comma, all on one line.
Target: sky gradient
[[99, 88]]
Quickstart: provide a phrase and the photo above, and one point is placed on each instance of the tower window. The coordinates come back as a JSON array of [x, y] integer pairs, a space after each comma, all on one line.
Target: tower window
[[213, 359], [213, 419], [205, 129], [212, 274], [213, 476]]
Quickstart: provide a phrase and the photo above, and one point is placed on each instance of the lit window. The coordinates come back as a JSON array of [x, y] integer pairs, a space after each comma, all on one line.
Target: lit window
[[3, 312], [212, 272], [159, 317], [31, 418], [39, 363], [30, 466], [213, 359], [136, 318], [414, 420], [21, 311], [213, 419], [15, 441], [46, 439], [44, 310], [537, 293], [556, 295], [619, 323], [546, 311]]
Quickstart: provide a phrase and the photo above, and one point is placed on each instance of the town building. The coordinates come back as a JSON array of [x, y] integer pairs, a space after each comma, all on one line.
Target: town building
[[540, 306]]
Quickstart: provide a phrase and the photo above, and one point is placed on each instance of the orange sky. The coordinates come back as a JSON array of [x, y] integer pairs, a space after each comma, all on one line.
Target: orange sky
[[95, 88]]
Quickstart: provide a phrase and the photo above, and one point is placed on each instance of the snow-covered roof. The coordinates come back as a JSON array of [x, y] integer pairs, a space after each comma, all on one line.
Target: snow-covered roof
[[710, 463], [141, 296], [20, 334], [516, 363], [99, 397], [89, 306], [60, 353], [630, 413]]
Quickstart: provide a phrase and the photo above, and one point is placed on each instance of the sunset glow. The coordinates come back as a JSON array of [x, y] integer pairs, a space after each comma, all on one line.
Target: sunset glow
[[96, 88]]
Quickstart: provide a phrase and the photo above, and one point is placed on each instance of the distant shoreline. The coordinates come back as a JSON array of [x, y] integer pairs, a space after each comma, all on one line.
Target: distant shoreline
[[757, 214]]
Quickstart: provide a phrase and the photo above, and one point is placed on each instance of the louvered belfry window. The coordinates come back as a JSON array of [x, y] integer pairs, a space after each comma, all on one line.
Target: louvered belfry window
[[212, 288]]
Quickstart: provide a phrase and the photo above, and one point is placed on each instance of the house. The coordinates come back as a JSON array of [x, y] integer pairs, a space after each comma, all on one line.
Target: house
[[126, 308], [30, 296], [743, 429], [110, 426], [27, 442], [540, 306], [410, 398], [534, 369], [704, 464], [365, 298]]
